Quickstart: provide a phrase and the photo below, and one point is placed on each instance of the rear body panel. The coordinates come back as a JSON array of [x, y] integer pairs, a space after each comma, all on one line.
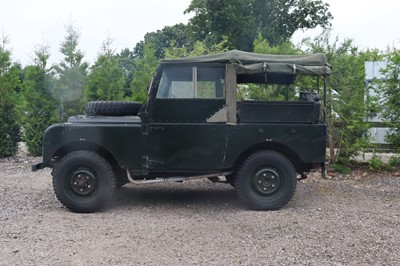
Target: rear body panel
[[307, 141]]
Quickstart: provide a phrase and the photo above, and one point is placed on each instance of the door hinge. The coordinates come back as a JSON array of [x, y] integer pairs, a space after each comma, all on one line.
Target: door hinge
[[145, 162], [145, 130]]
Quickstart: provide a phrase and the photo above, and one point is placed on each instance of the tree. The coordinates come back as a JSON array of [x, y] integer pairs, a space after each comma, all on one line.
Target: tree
[[391, 91], [277, 20], [199, 48], [106, 80], [37, 107], [269, 92], [70, 75], [9, 80], [214, 19], [262, 46], [127, 63], [144, 70], [242, 20], [161, 39], [346, 108]]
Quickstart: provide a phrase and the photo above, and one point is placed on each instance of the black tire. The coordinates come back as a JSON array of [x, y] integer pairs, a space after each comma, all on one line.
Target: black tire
[[112, 108], [84, 182], [266, 181]]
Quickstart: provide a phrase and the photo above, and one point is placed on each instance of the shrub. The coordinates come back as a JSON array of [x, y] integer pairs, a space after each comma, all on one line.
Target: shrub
[[9, 129], [341, 169], [38, 108], [394, 162], [376, 164]]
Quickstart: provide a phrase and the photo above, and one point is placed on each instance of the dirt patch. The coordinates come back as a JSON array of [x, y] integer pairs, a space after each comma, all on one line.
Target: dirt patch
[[328, 222]]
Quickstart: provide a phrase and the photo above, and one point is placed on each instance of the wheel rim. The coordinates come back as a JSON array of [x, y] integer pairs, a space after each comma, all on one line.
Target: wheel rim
[[266, 182], [82, 183]]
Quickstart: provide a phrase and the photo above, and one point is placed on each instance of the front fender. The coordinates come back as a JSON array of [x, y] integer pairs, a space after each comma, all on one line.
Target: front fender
[[123, 141]]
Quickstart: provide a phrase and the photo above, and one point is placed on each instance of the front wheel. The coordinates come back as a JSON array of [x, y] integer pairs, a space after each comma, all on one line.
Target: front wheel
[[266, 181], [83, 181]]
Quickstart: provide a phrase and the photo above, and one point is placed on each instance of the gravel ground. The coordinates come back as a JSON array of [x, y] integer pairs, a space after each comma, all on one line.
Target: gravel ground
[[352, 221]]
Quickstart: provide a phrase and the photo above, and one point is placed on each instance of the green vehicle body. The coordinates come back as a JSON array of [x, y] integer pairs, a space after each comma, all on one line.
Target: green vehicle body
[[190, 134]]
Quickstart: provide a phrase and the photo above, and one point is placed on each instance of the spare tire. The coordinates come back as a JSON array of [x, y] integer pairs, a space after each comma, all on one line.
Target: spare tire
[[112, 108]]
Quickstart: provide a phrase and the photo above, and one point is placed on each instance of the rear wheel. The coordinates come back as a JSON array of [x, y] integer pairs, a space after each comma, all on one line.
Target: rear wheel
[[83, 181], [266, 181]]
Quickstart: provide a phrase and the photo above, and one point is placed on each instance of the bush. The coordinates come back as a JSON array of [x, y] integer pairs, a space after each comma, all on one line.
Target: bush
[[38, 108], [9, 129], [394, 162], [391, 93], [341, 169], [376, 164]]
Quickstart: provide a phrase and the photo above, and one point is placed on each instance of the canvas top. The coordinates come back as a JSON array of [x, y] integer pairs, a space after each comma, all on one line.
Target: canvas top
[[254, 63]]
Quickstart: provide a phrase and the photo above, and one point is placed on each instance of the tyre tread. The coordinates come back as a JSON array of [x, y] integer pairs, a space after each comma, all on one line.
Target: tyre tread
[[242, 167], [108, 197], [112, 108]]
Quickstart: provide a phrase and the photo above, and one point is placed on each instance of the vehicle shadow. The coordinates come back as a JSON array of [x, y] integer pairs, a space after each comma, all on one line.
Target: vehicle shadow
[[177, 196]]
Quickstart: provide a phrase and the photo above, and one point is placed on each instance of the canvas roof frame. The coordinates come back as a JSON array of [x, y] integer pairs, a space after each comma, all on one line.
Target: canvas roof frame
[[270, 69]]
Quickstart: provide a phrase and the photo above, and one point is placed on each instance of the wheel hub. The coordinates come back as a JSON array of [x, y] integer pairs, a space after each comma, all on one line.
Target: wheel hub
[[266, 182], [83, 182]]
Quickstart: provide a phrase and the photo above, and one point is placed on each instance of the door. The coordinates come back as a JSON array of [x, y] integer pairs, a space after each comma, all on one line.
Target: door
[[179, 136]]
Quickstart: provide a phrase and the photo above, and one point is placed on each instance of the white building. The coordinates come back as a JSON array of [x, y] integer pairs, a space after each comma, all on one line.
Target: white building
[[373, 72]]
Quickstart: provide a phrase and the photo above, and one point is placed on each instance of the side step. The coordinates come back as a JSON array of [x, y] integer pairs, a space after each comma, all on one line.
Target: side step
[[170, 179]]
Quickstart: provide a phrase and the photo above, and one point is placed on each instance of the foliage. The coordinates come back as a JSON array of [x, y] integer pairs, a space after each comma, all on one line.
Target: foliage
[[161, 39], [126, 60], [373, 94], [345, 108], [70, 76], [242, 20], [341, 169], [262, 46], [9, 129], [376, 164], [37, 107], [144, 70], [269, 92], [372, 55], [214, 19], [106, 80], [199, 48], [394, 162], [391, 91]]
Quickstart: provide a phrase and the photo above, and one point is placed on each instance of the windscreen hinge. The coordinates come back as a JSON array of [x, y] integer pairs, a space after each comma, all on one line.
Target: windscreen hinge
[[145, 130]]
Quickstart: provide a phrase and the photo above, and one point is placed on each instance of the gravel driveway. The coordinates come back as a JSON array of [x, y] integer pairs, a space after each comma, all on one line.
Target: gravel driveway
[[328, 222]]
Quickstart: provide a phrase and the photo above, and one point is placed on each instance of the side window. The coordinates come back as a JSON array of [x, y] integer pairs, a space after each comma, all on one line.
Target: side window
[[210, 82], [192, 83], [175, 82]]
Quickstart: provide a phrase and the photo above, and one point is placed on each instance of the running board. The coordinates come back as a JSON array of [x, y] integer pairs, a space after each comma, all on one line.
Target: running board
[[170, 179]]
